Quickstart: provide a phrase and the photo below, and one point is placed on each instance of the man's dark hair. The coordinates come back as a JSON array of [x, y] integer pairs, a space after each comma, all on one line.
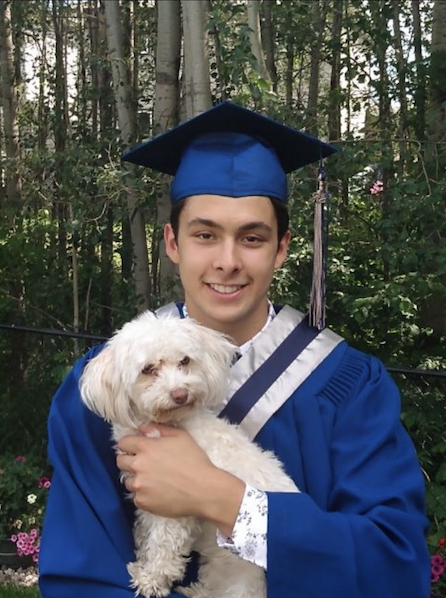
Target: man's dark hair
[[280, 210]]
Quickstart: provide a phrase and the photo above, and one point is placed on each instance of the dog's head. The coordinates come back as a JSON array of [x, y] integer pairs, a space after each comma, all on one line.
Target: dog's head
[[155, 369]]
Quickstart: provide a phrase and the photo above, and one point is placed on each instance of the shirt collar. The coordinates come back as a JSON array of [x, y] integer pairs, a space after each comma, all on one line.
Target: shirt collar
[[244, 348]]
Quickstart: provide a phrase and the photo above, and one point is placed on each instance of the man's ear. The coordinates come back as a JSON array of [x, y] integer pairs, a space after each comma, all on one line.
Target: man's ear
[[282, 250], [170, 243]]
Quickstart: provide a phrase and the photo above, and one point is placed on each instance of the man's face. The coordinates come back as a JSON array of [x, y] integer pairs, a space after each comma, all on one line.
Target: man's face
[[227, 250]]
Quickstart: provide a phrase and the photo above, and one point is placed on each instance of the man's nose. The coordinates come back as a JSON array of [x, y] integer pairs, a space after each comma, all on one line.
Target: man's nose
[[227, 257]]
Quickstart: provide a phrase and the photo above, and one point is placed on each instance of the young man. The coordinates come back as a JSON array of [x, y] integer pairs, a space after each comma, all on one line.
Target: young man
[[330, 413]]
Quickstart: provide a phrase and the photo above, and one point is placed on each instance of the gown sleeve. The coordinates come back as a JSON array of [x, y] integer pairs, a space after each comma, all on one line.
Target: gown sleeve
[[368, 539], [87, 536]]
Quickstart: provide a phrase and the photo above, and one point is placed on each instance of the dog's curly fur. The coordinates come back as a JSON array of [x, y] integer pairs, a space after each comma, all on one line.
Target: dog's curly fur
[[173, 371]]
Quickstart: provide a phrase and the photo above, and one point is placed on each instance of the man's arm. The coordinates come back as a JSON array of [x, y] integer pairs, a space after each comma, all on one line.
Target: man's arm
[[366, 539]]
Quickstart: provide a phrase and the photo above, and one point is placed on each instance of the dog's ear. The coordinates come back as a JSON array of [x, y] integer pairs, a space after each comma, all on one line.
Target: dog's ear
[[101, 387], [218, 354]]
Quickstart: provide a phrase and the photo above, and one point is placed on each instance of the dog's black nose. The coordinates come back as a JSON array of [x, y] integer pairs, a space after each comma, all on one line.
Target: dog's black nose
[[179, 395]]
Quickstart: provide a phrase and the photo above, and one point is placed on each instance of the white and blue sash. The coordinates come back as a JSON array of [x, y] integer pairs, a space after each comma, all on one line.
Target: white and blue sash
[[278, 362]]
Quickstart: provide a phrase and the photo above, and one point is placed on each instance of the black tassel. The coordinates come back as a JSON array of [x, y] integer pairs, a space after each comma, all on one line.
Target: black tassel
[[321, 199]]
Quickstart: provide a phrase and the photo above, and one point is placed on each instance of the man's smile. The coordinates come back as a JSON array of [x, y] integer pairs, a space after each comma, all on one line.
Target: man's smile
[[225, 289]]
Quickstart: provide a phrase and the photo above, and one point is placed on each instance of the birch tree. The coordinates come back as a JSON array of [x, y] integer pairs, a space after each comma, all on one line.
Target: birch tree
[[17, 289], [197, 85], [42, 107], [123, 100], [420, 71], [334, 114], [401, 62], [255, 36], [168, 51], [434, 311], [437, 89], [269, 42], [9, 104], [318, 17], [60, 124]]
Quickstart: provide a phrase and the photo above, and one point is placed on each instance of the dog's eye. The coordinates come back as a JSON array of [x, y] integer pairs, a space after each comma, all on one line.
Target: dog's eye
[[185, 360], [149, 369]]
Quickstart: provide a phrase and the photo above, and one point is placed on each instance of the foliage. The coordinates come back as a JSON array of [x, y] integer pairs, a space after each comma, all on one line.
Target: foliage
[[23, 493], [14, 591], [438, 569], [424, 415]]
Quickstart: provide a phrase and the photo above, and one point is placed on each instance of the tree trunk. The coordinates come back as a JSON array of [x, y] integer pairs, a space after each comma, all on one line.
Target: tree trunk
[[9, 104], [197, 85], [268, 36], [319, 15], [43, 109], [420, 89], [434, 307], [95, 47], [334, 112], [103, 78], [124, 107], [385, 125], [60, 126], [438, 73], [168, 52], [401, 70], [82, 72], [19, 351], [255, 37], [290, 54]]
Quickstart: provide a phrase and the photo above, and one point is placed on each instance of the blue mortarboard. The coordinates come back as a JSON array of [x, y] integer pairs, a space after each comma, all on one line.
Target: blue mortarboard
[[232, 151], [229, 150]]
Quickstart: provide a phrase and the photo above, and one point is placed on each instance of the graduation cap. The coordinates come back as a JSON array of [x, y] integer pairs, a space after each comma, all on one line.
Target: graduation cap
[[229, 150], [232, 151]]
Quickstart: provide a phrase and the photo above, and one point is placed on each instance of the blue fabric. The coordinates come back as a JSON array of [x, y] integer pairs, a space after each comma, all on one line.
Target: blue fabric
[[229, 164], [165, 151], [356, 531]]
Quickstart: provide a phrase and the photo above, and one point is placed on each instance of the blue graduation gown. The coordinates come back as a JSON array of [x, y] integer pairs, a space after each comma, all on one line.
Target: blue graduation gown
[[356, 530]]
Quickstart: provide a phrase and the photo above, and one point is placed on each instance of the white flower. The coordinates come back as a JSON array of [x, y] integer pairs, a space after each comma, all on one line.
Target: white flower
[[31, 498]]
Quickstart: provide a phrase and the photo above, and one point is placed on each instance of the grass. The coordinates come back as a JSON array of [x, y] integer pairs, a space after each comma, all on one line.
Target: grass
[[13, 591]]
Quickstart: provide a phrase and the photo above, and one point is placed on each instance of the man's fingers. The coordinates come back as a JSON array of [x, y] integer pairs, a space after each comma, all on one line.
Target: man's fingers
[[124, 462]]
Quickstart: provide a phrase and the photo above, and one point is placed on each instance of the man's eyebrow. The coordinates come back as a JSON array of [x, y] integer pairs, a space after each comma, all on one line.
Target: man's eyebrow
[[256, 225], [204, 222], [248, 226]]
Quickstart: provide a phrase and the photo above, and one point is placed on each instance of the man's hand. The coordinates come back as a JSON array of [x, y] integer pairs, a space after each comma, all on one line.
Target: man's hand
[[171, 476]]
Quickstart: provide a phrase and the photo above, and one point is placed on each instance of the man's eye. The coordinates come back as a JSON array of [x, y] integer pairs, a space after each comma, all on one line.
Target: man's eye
[[252, 239]]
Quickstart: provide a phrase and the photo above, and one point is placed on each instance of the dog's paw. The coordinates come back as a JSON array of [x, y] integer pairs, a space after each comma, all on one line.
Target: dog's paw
[[148, 584]]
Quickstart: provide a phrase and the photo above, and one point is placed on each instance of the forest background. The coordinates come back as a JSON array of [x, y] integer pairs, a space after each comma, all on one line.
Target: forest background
[[81, 233]]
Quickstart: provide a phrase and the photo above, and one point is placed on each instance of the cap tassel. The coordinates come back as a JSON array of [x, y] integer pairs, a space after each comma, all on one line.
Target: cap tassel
[[318, 286]]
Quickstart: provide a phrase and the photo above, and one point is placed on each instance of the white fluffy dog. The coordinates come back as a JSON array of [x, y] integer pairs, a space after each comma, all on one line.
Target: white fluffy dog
[[173, 371]]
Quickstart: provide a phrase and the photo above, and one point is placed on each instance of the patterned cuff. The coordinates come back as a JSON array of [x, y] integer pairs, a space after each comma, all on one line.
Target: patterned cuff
[[249, 536]]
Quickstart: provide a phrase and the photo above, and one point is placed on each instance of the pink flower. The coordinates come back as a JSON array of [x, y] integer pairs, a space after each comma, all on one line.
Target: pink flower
[[377, 187], [437, 570], [20, 459], [28, 544], [44, 482], [438, 561]]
